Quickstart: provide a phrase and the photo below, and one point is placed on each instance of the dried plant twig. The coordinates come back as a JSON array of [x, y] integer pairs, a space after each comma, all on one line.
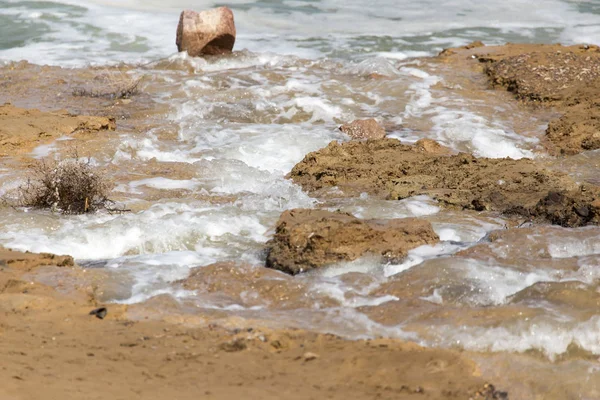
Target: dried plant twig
[[69, 186]]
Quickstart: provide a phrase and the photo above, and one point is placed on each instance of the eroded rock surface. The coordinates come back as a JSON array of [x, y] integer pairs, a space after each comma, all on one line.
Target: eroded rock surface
[[309, 239], [567, 78], [578, 128], [389, 169], [363, 129]]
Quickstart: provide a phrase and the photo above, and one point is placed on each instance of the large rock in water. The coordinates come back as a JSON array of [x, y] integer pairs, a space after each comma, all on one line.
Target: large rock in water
[[209, 32], [309, 239], [392, 170]]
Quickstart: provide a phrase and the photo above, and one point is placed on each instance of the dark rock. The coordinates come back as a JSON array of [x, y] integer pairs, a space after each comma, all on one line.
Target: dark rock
[[309, 239]]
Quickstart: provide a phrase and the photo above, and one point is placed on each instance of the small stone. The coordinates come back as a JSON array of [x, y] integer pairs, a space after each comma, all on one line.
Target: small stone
[[99, 312], [233, 346], [308, 356], [431, 146], [363, 129]]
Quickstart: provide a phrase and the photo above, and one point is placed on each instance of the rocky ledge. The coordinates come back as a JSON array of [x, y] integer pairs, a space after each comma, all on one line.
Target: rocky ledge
[[389, 169], [21, 130], [564, 77]]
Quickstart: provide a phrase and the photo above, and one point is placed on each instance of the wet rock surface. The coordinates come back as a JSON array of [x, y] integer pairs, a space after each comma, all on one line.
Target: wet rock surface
[[22, 129], [553, 75], [363, 129], [389, 169], [28, 261], [309, 239], [252, 286]]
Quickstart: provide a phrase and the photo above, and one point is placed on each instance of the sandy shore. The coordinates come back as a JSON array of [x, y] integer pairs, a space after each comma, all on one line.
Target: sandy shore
[[52, 348]]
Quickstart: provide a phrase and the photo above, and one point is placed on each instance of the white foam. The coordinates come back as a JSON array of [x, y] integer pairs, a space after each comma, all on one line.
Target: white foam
[[448, 234], [483, 137], [363, 265], [162, 228], [402, 55], [420, 206], [494, 284], [240, 60], [366, 207], [348, 298], [435, 297], [588, 271], [141, 31], [321, 110], [563, 246], [43, 150], [420, 91], [418, 255], [550, 337], [165, 183], [149, 148], [377, 65], [466, 230]]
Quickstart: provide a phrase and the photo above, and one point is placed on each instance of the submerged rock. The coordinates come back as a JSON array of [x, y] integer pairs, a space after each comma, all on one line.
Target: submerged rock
[[209, 32], [252, 286], [308, 239], [363, 129], [389, 169]]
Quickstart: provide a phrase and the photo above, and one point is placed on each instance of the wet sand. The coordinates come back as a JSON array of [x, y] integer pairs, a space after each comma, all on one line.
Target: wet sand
[[52, 348]]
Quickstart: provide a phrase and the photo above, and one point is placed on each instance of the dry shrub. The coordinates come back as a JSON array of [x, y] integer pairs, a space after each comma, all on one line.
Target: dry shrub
[[71, 186], [112, 85]]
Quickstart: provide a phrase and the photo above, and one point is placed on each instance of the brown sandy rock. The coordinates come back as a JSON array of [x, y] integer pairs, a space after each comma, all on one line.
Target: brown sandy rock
[[453, 51], [209, 32], [389, 169], [22, 129], [308, 239], [579, 127], [567, 78], [363, 129], [545, 72], [431, 146], [26, 261], [474, 45]]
